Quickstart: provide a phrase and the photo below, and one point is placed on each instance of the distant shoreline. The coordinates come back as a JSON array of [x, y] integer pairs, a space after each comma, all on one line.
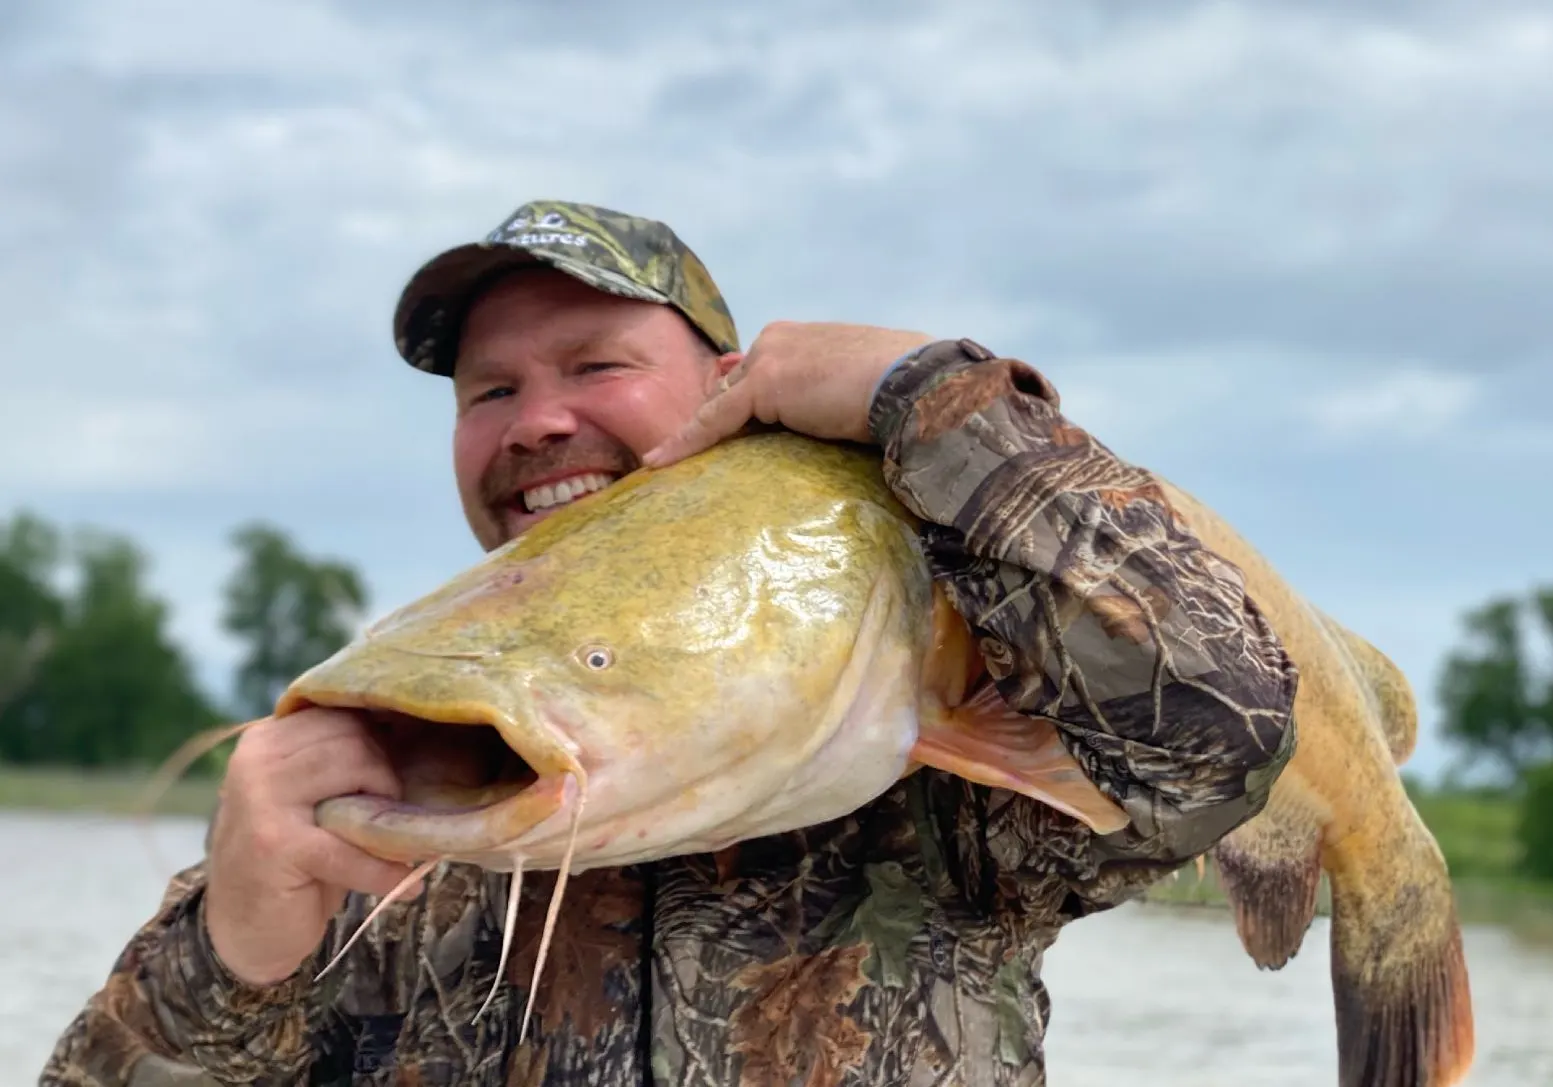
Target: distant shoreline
[[1485, 893], [106, 791], [1524, 907]]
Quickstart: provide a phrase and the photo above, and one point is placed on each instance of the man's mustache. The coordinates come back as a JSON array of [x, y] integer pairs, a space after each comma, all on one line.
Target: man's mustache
[[515, 470]]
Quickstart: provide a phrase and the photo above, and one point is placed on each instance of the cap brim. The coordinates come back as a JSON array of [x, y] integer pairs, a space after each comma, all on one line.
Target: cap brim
[[434, 302]]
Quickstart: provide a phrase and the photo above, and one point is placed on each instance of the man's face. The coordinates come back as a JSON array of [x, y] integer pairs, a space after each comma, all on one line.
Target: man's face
[[560, 390]]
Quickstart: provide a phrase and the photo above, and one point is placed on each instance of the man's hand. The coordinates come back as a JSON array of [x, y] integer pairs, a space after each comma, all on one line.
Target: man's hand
[[817, 379], [276, 878]]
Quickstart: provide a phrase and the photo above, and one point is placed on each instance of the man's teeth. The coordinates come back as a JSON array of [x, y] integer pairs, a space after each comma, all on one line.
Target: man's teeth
[[558, 494]]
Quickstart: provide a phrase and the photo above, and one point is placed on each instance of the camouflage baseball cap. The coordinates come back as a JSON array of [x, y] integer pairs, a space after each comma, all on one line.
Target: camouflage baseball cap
[[622, 254]]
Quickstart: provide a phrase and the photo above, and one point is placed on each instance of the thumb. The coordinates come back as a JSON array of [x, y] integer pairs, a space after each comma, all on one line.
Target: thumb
[[720, 417]]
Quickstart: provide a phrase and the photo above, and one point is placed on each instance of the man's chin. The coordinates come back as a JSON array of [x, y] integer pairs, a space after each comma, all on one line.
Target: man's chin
[[515, 523]]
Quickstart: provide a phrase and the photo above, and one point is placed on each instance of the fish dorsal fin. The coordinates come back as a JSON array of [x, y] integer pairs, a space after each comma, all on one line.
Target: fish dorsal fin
[[985, 741]]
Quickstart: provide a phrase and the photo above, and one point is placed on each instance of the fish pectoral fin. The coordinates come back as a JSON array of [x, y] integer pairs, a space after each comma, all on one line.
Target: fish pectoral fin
[[985, 741]]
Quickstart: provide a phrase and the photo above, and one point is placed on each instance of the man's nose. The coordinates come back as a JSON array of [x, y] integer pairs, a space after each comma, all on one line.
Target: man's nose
[[539, 417]]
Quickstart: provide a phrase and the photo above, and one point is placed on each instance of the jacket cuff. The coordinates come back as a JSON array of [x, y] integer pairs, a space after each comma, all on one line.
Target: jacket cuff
[[228, 1027], [924, 369]]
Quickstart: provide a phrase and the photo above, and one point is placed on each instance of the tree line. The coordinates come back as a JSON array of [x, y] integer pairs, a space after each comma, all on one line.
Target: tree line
[[1496, 694], [91, 676]]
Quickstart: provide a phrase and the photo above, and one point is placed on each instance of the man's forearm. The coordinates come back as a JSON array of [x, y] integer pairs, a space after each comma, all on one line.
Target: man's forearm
[[1096, 606]]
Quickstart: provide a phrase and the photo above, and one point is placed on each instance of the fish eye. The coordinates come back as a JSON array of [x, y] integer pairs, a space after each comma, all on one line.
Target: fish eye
[[597, 657]]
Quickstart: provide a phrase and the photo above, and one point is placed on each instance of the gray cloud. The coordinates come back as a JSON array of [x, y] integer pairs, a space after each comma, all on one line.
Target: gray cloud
[[1293, 257]]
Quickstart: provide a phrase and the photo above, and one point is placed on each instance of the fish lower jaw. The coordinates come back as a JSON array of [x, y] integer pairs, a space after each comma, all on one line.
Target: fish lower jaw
[[698, 821], [411, 833]]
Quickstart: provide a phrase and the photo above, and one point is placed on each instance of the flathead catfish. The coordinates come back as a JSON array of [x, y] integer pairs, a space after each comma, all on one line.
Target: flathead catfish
[[1403, 1001]]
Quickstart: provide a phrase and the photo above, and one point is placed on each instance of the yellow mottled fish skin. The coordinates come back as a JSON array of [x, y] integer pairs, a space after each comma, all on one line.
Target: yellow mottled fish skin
[[1390, 694], [1403, 1004], [761, 673]]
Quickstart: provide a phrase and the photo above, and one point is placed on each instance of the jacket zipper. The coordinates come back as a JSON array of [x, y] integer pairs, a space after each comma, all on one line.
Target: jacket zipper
[[644, 982]]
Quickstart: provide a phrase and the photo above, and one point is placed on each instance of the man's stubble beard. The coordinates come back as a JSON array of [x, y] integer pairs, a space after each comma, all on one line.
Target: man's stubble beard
[[502, 482]]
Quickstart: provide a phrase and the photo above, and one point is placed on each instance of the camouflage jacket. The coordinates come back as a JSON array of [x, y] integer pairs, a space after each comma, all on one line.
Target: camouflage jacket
[[899, 945]]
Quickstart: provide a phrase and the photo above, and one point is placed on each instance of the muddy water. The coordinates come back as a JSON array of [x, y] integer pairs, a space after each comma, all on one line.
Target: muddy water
[[1142, 995]]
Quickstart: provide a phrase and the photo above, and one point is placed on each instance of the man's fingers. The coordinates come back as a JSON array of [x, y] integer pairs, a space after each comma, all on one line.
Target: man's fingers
[[335, 862], [347, 764], [721, 416], [297, 779]]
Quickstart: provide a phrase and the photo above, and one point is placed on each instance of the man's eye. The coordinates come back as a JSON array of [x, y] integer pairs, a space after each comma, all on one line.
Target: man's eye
[[493, 394], [597, 367]]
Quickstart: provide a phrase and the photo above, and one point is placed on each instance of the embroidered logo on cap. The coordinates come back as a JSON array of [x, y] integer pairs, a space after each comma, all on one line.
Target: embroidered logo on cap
[[551, 228]]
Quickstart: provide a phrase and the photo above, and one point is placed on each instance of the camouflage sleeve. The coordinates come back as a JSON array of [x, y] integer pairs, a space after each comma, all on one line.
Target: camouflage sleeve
[[1096, 607], [170, 1008]]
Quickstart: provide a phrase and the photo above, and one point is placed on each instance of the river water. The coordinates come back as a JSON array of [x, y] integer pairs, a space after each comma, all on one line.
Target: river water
[[1144, 994]]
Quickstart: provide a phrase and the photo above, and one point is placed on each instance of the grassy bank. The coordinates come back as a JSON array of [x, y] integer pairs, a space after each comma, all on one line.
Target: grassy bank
[[114, 791], [1476, 833]]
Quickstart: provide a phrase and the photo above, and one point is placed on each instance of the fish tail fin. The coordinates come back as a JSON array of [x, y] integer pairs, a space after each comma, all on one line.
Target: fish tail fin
[[1270, 870], [1387, 687], [986, 741], [1399, 981], [1403, 1002]]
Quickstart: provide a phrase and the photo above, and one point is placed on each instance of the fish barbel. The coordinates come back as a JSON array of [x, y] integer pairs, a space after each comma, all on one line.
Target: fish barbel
[[743, 643]]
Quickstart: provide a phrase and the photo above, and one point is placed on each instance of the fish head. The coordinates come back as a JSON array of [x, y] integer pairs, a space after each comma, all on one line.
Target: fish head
[[672, 649]]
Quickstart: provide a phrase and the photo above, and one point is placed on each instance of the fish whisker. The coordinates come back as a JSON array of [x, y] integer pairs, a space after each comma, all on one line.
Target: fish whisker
[[555, 906], [514, 892], [389, 899]]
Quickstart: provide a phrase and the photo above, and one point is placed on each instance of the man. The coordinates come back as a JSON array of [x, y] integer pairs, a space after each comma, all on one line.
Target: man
[[899, 945]]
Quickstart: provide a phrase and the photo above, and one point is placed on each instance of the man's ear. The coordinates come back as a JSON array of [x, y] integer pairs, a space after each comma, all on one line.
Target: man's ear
[[721, 367]]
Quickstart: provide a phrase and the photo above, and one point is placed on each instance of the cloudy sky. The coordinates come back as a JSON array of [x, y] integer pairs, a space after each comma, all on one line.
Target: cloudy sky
[[1295, 258]]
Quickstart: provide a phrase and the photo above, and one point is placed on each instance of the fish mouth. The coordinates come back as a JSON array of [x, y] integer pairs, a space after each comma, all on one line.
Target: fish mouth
[[467, 794]]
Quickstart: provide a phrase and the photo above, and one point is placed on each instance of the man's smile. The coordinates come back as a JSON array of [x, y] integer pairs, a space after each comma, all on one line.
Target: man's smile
[[535, 501], [553, 491]]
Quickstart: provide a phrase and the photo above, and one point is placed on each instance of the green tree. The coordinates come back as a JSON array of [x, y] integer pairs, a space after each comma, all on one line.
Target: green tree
[[31, 609], [1535, 831], [1498, 704], [292, 612], [111, 687]]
